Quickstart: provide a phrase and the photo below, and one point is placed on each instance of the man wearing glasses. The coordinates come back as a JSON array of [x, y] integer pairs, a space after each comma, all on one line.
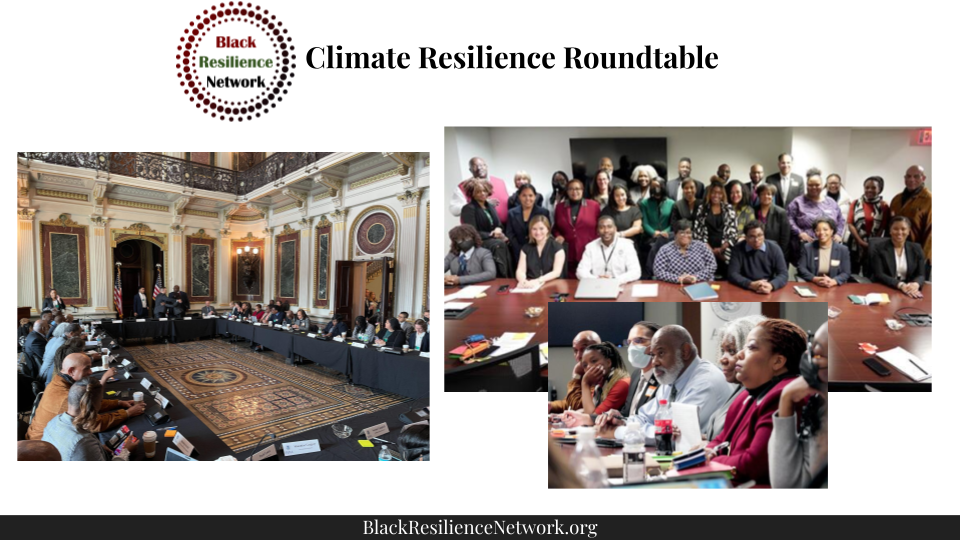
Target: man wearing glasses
[[755, 264], [685, 260]]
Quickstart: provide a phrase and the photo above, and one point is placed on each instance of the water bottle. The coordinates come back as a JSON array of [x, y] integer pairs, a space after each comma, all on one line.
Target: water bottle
[[586, 460], [634, 453], [664, 426], [384, 454]]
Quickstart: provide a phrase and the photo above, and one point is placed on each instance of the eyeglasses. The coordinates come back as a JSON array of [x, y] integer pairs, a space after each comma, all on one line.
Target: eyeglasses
[[636, 341]]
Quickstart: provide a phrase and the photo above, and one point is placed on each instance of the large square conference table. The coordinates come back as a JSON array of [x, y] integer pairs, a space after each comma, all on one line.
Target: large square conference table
[[496, 314]]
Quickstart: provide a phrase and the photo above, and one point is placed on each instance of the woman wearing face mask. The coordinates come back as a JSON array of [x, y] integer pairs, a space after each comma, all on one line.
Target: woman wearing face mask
[[542, 258], [824, 262], [765, 366], [733, 337], [558, 193], [605, 378], [518, 218], [897, 263], [467, 262], [797, 449], [655, 212], [868, 218], [576, 223]]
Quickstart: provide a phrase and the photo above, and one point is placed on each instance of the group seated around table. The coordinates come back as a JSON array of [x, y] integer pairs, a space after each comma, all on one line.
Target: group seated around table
[[745, 233], [762, 412]]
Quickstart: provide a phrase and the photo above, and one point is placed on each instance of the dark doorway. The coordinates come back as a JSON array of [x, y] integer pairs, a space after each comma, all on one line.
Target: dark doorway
[[138, 260]]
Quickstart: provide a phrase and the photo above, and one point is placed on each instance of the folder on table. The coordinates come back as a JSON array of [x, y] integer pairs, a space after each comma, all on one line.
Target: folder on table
[[701, 291]]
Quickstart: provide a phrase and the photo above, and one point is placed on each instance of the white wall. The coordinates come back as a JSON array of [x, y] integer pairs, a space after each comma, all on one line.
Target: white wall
[[886, 153], [470, 143]]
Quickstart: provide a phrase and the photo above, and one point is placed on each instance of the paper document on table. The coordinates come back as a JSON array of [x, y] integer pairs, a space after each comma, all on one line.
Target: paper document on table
[[687, 418], [456, 306], [466, 293], [543, 354], [645, 290], [535, 288], [907, 363], [511, 341]]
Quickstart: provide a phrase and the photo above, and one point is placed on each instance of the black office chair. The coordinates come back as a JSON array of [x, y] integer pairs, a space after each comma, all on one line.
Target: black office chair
[[652, 256], [33, 411]]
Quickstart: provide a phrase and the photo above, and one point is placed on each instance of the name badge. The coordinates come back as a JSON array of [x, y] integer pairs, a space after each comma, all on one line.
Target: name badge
[[301, 447], [835, 262], [183, 444], [126, 363], [257, 324], [376, 431], [651, 391], [117, 322], [164, 402], [163, 319], [267, 452], [311, 335], [145, 384], [126, 375]]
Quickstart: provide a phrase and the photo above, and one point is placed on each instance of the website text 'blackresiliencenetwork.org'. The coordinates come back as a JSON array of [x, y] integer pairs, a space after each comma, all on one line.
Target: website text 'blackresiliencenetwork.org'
[[497, 527]]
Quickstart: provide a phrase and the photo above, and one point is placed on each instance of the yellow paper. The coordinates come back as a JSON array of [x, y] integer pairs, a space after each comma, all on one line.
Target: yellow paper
[[715, 287], [365, 444], [170, 433]]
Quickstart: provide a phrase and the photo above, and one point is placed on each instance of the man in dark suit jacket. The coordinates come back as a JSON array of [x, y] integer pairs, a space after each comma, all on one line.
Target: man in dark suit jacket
[[789, 184], [163, 305], [34, 347], [181, 298], [750, 188], [675, 187], [140, 308]]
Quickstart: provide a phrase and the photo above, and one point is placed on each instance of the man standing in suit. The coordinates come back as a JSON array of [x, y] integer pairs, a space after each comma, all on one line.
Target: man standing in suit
[[34, 347], [606, 165], [750, 189], [163, 305], [789, 184], [140, 306], [674, 190], [915, 203], [181, 298]]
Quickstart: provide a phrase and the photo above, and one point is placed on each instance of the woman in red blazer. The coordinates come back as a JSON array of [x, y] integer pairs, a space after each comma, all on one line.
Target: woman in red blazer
[[605, 378], [768, 362], [576, 223]]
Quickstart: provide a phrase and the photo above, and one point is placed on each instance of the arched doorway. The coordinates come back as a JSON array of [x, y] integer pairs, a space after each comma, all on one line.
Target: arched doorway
[[149, 258], [138, 260]]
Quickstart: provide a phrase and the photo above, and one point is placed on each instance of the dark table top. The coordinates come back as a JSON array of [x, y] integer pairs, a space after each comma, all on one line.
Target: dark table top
[[497, 314]]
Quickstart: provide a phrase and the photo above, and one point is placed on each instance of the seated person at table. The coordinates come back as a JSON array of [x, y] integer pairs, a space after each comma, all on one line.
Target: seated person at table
[[467, 261], [605, 379], [756, 264], [140, 306], [542, 258], [797, 450], [63, 333], [769, 362], [518, 219], [684, 378], [824, 262], [733, 337], [362, 329], [336, 327], [776, 226], [245, 310], [608, 257], [276, 316], [573, 401], [70, 346], [289, 318], [481, 214], [57, 319], [37, 451], [234, 310], [54, 401], [414, 442], [391, 335], [897, 263], [208, 310], [258, 312], [685, 260], [73, 433], [53, 302], [302, 321], [419, 339], [34, 348]]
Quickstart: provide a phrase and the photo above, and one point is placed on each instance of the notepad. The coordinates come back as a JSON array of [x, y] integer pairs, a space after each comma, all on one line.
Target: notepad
[[907, 363], [870, 299], [701, 291], [645, 290], [687, 418], [456, 306], [804, 292], [170, 433], [511, 341], [535, 288], [466, 293], [365, 444]]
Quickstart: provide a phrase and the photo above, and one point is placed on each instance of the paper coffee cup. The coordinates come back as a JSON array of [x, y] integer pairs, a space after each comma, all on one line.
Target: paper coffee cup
[[138, 396], [406, 348], [149, 443], [227, 458], [105, 350], [106, 361]]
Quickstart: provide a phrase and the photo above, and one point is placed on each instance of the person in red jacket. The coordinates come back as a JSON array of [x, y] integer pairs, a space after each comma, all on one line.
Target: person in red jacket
[[605, 378], [769, 361], [575, 224]]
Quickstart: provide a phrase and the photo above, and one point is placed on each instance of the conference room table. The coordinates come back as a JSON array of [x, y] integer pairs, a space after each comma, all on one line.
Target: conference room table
[[172, 329], [496, 314], [208, 446]]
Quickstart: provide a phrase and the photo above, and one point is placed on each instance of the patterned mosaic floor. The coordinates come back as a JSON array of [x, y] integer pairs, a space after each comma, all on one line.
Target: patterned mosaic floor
[[241, 395]]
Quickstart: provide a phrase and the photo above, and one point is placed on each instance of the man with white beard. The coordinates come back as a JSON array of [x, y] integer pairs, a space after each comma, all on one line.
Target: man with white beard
[[684, 378]]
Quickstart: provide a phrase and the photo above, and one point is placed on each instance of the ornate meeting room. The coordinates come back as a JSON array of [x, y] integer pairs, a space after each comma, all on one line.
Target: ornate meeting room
[[229, 306]]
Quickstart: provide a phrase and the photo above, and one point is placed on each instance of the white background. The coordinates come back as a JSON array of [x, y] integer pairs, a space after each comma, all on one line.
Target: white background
[[100, 76]]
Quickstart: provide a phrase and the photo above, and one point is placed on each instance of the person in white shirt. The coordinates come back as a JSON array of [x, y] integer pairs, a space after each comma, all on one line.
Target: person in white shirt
[[684, 378], [609, 256], [140, 306], [419, 339]]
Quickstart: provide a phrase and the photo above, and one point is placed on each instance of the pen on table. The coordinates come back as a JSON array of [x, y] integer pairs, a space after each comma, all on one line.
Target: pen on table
[[171, 427], [381, 440], [918, 367]]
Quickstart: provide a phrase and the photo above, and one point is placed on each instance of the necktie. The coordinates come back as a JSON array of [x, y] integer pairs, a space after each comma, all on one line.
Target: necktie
[[463, 265]]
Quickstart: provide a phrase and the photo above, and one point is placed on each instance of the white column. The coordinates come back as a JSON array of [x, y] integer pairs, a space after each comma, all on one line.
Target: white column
[[269, 260], [26, 261], [338, 251], [175, 253], [101, 274], [411, 247], [306, 264], [224, 269]]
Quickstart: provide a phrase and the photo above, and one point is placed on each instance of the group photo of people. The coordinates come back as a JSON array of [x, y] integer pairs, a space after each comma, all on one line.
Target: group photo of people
[[707, 395], [727, 214]]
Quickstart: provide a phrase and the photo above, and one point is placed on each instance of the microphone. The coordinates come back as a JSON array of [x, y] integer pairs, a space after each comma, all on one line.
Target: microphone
[[257, 447]]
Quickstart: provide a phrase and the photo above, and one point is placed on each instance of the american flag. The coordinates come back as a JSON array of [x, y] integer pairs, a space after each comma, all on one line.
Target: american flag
[[157, 284], [118, 296]]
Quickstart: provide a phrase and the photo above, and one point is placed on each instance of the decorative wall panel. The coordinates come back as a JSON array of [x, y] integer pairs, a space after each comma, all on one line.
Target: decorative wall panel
[[247, 269], [201, 266], [321, 284], [287, 266], [66, 264]]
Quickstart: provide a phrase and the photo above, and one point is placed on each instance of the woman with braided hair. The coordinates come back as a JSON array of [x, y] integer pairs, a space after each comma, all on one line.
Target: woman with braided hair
[[769, 361], [73, 431], [605, 378]]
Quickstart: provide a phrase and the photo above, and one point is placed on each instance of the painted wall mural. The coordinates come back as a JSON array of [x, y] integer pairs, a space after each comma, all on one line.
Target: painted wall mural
[[66, 266], [201, 266], [288, 264]]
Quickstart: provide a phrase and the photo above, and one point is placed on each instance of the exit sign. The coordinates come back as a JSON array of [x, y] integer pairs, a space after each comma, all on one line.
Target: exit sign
[[924, 137]]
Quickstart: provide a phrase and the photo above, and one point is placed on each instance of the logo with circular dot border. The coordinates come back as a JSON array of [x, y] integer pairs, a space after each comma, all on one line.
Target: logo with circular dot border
[[259, 102]]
